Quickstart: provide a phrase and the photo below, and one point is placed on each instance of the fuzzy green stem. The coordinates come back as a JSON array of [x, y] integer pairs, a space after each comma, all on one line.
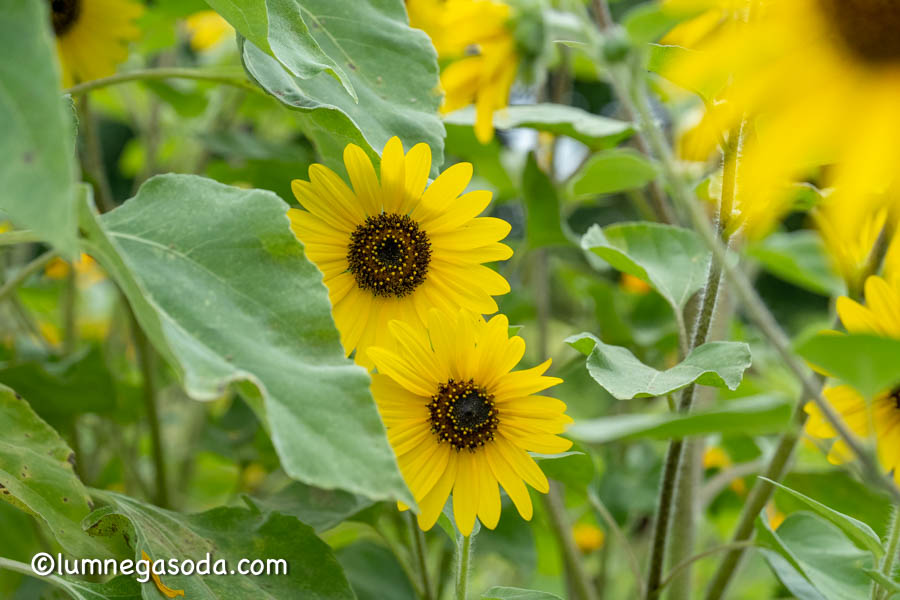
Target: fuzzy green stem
[[156, 74], [464, 544], [419, 549], [890, 554], [20, 567], [147, 359], [92, 156], [25, 272]]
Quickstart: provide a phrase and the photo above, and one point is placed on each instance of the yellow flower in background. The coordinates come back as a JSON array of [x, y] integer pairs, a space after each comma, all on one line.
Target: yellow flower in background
[[461, 420], [395, 248], [92, 36], [820, 81], [774, 516], [588, 538], [632, 284], [476, 46], [207, 29], [850, 232], [881, 417]]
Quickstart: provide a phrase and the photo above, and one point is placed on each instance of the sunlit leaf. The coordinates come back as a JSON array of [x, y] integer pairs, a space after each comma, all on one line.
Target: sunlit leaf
[[798, 258], [611, 171], [318, 508], [867, 362], [543, 223]]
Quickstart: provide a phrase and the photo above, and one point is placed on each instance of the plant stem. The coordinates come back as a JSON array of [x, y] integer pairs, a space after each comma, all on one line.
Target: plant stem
[[70, 329], [147, 359], [419, 548], [562, 530], [166, 73], [92, 156], [598, 506], [464, 544], [25, 272], [691, 560], [890, 554]]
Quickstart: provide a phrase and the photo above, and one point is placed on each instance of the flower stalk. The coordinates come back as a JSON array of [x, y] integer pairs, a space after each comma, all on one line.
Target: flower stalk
[[890, 555], [463, 562]]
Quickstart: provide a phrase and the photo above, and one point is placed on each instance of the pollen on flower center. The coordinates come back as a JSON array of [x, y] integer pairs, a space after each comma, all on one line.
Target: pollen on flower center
[[389, 255], [64, 14], [869, 28], [463, 414]]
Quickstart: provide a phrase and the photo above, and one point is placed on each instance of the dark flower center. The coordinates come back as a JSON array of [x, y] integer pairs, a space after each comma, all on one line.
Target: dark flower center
[[869, 28], [389, 255], [463, 414], [895, 396], [64, 14]]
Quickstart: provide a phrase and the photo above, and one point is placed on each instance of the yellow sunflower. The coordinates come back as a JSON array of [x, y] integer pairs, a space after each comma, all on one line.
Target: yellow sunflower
[[820, 82], [459, 419], [881, 417], [395, 248], [475, 43], [207, 29], [92, 36]]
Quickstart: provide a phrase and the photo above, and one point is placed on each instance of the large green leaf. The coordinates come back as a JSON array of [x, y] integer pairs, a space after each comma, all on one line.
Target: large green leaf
[[594, 131], [573, 468], [543, 223], [511, 593], [224, 291], [318, 508], [867, 362], [278, 28], [36, 475], [820, 552], [374, 572], [799, 258], [674, 261], [858, 532], [619, 372], [37, 170], [228, 534], [123, 587], [754, 415], [392, 68], [613, 171]]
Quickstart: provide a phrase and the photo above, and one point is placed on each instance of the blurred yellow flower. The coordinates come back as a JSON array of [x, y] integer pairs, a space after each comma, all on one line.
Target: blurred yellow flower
[[588, 537], [396, 247], [820, 82], [87, 270], [715, 457], [632, 284], [881, 416], [775, 516], [476, 47], [92, 36], [460, 419], [207, 29]]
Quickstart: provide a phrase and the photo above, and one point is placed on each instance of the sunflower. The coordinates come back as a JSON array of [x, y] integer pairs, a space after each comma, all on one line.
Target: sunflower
[[207, 29], [459, 419], [394, 249], [881, 416], [91, 36], [819, 81], [475, 43]]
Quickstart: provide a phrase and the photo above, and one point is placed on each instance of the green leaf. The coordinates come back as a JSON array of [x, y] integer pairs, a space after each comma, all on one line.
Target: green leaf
[[798, 258], [278, 28], [619, 372], [866, 362], [123, 587], [753, 415], [572, 468], [821, 553], [374, 572], [37, 170], [511, 593], [612, 171], [650, 21], [318, 508], [543, 223], [228, 534], [36, 475], [594, 131], [674, 261], [222, 287], [392, 68], [858, 532]]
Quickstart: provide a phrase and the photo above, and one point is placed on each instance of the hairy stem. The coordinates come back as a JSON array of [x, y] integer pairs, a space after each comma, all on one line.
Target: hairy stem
[[419, 549], [166, 73], [92, 156], [890, 554], [463, 560]]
